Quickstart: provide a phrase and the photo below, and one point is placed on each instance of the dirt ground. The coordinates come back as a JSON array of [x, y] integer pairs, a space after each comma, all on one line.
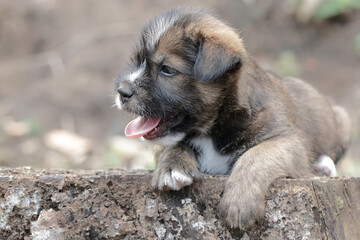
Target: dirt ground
[[58, 61]]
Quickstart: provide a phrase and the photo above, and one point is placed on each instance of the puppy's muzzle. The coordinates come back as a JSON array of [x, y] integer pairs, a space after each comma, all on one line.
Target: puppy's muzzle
[[125, 91]]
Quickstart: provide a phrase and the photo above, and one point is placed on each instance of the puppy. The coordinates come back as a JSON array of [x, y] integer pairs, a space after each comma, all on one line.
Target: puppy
[[200, 95]]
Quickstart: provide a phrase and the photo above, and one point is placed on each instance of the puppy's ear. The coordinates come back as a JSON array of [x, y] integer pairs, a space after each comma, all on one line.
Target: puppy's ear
[[213, 60]]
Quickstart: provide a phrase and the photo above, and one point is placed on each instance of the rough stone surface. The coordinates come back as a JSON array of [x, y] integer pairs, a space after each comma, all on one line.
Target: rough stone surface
[[117, 204]]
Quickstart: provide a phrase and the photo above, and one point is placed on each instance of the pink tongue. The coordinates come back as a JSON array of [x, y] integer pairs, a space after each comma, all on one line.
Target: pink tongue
[[141, 126]]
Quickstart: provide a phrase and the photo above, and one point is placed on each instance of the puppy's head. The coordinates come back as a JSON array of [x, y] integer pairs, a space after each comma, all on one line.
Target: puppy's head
[[181, 69]]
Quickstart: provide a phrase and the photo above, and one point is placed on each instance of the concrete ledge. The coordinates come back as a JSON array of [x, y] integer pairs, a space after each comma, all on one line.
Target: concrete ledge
[[118, 204]]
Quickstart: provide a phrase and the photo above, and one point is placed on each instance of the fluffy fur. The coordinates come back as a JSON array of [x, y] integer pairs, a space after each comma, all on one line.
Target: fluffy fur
[[225, 114]]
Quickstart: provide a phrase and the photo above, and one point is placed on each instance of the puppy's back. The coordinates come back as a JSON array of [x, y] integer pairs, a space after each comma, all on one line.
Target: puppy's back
[[343, 125], [325, 127]]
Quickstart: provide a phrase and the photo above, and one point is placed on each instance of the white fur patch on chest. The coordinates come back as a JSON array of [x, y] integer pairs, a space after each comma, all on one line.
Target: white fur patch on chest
[[209, 159]]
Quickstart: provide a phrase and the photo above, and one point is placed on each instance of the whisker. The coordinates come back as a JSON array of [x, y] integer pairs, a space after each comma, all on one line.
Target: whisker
[[114, 105]]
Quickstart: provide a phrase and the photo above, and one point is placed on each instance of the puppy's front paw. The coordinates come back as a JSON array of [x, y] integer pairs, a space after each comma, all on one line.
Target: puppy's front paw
[[173, 178], [239, 210]]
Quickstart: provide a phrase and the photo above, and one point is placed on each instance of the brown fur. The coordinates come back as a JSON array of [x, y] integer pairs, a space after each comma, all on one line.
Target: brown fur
[[263, 125]]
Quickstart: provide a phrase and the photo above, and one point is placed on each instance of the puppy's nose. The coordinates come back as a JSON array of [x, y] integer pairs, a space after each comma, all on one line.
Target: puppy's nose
[[125, 91]]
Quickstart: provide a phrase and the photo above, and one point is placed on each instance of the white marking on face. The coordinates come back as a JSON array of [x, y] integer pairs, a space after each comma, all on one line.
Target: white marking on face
[[325, 166], [160, 26], [170, 139], [209, 159], [137, 73]]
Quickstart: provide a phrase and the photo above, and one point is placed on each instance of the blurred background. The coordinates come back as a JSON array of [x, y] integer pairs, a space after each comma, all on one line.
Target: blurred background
[[59, 59]]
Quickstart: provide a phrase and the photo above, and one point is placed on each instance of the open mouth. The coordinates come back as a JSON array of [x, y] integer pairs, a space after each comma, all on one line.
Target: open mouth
[[151, 128]]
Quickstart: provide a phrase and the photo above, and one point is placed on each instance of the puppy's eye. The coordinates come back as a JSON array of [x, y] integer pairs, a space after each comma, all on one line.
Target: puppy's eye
[[167, 71]]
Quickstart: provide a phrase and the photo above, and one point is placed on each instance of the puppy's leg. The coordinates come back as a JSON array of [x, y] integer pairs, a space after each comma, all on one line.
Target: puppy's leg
[[175, 168], [244, 195]]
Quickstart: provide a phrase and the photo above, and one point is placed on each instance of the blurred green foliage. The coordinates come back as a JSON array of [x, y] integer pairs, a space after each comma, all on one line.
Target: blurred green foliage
[[34, 127], [348, 166], [112, 158], [332, 8], [287, 64], [150, 165], [357, 44], [2, 157]]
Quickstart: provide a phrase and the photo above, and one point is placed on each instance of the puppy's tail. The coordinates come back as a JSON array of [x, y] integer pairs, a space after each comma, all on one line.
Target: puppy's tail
[[343, 125]]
